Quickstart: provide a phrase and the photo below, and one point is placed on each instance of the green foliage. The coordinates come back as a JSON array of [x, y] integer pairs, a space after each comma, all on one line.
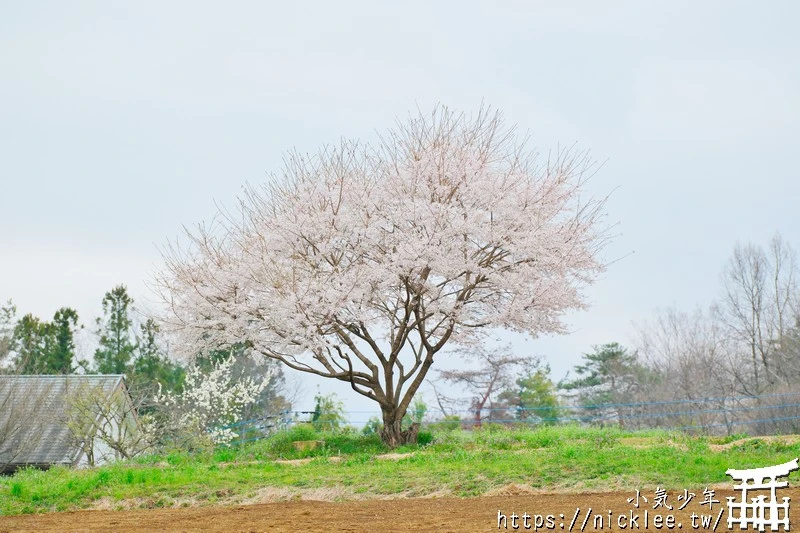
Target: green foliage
[[416, 413], [328, 413], [604, 438], [33, 341], [424, 438], [334, 443], [608, 367], [534, 397], [60, 360], [152, 367], [301, 432], [609, 375], [42, 347], [339, 443], [116, 349], [16, 490], [448, 423], [373, 426]]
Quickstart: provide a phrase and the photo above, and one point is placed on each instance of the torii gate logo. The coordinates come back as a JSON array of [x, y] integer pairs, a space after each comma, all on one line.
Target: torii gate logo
[[759, 512]]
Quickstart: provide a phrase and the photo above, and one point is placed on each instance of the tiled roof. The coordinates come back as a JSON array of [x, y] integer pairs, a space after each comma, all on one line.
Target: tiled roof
[[33, 430]]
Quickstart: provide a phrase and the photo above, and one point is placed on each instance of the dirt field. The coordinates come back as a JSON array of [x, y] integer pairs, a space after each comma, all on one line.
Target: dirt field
[[424, 514]]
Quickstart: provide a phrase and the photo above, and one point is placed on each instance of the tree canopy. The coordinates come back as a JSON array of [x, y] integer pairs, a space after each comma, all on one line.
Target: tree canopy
[[362, 262]]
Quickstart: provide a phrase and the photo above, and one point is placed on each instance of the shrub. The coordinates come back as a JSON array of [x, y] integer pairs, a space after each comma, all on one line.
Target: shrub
[[302, 432], [207, 408], [416, 412], [448, 423], [328, 413], [424, 438], [373, 426]]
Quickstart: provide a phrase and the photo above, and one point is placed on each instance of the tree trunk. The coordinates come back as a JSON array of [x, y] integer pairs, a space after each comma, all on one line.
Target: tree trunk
[[478, 407], [392, 433]]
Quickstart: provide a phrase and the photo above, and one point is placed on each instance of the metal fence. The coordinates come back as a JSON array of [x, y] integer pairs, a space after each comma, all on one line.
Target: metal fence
[[756, 414], [766, 414]]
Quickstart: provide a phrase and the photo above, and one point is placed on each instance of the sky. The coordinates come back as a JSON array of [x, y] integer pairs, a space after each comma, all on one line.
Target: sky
[[121, 122]]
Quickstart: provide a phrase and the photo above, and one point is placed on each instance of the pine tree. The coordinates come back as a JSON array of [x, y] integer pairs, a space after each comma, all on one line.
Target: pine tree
[[151, 366], [60, 359], [33, 341], [116, 349], [609, 376], [534, 396]]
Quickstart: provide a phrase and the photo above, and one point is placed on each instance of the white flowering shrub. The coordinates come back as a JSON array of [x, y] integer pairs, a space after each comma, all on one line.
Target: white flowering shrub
[[211, 402]]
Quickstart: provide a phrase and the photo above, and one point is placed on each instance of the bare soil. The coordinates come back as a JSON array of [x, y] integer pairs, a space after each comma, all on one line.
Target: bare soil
[[401, 515]]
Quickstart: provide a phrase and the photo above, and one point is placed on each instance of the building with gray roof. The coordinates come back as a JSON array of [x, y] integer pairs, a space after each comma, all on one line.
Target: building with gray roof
[[73, 420]]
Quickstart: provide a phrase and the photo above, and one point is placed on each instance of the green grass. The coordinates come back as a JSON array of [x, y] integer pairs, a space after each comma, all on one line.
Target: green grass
[[456, 462]]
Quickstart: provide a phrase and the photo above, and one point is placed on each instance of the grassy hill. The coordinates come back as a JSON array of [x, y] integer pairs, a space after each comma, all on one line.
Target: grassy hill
[[353, 466]]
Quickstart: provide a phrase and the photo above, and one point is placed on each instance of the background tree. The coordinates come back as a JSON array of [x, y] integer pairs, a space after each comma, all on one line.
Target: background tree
[[208, 407], [152, 369], [497, 368], [273, 396], [534, 396], [8, 312], [759, 306], [108, 427], [363, 262], [687, 356], [328, 413], [416, 413], [609, 375], [41, 347], [116, 348], [787, 353], [62, 358], [33, 343]]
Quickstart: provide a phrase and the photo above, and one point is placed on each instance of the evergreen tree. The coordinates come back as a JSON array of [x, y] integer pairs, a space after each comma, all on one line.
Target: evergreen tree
[[609, 376], [114, 354], [534, 396], [33, 341], [60, 359], [328, 413], [151, 366]]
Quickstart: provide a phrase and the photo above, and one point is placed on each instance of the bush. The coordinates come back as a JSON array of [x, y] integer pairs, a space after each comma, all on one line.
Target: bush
[[424, 438], [448, 423], [281, 443], [415, 414], [328, 413], [353, 443], [303, 431], [373, 426]]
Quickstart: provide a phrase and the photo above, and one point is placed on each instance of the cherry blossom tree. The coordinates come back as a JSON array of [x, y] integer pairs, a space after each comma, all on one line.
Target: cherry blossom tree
[[496, 371], [360, 263]]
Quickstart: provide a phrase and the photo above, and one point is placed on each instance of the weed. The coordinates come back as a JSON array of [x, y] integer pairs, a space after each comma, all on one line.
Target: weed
[[16, 489]]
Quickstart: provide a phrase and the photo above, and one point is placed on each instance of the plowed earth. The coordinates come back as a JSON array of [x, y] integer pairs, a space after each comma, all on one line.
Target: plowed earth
[[406, 515]]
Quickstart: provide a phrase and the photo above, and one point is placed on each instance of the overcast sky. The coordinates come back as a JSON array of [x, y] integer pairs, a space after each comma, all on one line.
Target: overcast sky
[[121, 122]]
